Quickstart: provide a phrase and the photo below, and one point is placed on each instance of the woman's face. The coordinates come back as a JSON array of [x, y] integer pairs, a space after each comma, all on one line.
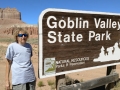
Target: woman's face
[[22, 37]]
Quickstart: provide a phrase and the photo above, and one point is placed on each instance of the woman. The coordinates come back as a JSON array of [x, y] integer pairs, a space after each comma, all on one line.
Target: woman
[[18, 57]]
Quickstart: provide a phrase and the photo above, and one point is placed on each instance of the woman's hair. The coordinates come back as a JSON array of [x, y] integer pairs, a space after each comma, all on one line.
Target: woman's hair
[[17, 30]]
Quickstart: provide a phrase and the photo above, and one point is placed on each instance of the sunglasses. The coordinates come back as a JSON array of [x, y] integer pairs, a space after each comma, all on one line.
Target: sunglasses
[[21, 35]]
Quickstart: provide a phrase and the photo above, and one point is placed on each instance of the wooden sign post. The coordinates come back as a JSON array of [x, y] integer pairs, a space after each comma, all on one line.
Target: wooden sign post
[[110, 70], [60, 81]]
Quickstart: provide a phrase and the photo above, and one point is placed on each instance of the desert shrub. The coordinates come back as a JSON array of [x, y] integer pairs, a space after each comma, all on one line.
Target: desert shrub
[[50, 82], [40, 83]]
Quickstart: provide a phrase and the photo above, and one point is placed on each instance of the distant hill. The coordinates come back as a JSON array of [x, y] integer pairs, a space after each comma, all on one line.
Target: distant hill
[[10, 18]]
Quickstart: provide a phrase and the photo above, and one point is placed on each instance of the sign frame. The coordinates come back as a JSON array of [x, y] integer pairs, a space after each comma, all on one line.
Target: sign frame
[[41, 41]]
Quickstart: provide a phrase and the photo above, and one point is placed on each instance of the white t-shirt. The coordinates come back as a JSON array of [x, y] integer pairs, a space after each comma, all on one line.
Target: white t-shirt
[[21, 67]]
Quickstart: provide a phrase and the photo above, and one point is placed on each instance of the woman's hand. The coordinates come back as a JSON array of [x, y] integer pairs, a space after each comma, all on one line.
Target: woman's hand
[[7, 85]]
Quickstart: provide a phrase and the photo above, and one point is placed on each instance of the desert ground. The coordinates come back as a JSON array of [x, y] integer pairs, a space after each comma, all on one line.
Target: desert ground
[[5, 40]]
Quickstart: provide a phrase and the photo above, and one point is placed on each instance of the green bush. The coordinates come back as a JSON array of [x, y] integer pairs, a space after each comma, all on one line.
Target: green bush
[[40, 83], [50, 82]]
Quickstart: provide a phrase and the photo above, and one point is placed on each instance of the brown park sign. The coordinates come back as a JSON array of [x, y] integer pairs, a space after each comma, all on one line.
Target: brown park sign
[[71, 41]]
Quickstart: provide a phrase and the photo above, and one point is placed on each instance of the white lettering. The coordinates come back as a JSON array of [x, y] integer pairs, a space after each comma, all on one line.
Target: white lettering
[[54, 23], [52, 37], [99, 36]]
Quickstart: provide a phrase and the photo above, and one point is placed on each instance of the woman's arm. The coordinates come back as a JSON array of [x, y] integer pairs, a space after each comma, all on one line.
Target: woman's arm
[[8, 66]]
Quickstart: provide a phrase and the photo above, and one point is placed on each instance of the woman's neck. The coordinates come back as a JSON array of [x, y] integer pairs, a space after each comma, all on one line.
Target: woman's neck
[[21, 43]]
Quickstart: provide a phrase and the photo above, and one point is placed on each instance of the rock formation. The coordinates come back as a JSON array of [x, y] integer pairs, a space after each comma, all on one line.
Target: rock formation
[[32, 30], [10, 13], [11, 18]]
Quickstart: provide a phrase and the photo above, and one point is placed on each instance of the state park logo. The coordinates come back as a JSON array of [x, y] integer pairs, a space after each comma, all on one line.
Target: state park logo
[[49, 66]]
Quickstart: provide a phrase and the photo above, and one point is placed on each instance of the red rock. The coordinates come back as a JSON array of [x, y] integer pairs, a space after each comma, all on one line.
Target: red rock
[[11, 18], [10, 13]]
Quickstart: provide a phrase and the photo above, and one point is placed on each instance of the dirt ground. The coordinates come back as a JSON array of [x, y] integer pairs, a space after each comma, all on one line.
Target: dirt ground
[[83, 75]]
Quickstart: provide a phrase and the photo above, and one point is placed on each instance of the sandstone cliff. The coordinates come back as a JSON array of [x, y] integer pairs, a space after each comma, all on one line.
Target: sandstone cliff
[[10, 13], [10, 18], [32, 29]]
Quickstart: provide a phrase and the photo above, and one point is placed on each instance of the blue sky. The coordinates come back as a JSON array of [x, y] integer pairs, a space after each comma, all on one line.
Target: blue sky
[[31, 9]]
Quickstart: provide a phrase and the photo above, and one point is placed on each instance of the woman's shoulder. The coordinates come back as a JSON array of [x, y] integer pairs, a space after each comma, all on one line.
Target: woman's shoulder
[[12, 44], [28, 44]]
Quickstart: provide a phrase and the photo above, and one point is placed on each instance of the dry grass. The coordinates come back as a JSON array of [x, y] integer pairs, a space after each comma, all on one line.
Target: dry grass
[[2, 52]]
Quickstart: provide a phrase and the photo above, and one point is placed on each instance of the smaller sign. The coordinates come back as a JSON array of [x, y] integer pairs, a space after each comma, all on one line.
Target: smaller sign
[[49, 66]]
